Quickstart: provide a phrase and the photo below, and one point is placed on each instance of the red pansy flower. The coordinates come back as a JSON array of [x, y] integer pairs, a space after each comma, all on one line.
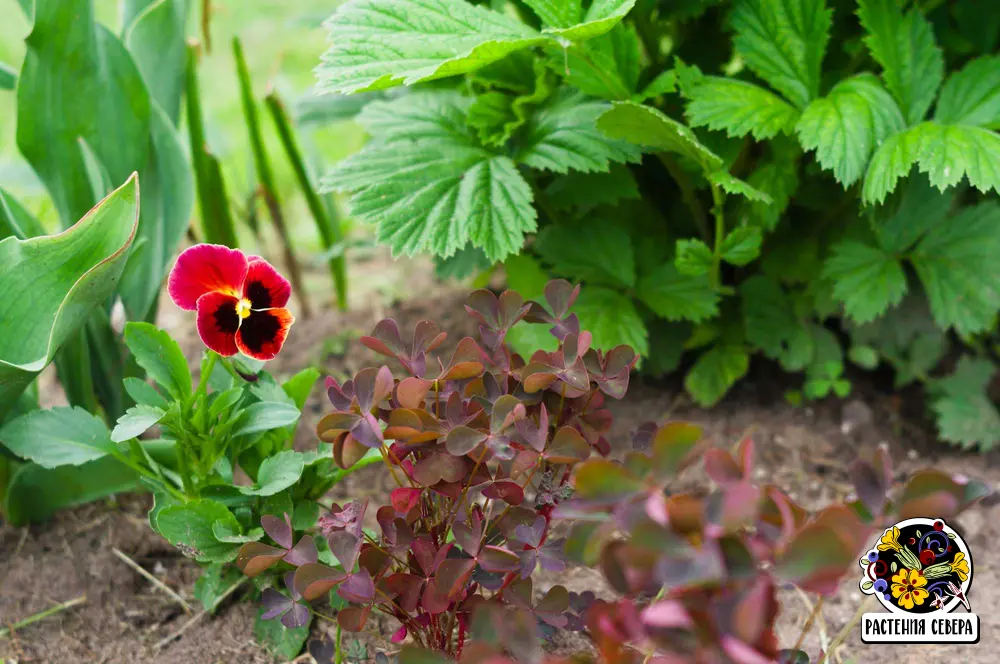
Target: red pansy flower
[[240, 300]]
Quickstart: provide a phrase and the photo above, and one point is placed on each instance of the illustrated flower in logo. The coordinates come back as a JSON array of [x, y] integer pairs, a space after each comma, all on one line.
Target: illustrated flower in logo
[[240, 300], [960, 566], [890, 540], [908, 588]]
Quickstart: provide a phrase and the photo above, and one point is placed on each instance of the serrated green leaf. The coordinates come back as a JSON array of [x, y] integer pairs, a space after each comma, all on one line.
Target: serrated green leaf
[[592, 250], [972, 95], [606, 67], [915, 208], [742, 245], [492, 116], [845, 126], [965, 413], [783, 42], [557, 13], [737, 107], [160, 356], [675, 296], [957, 264], [601, 16], [912, 63], [378, 44], [768, 319], [694, 257], [276, 474], [866, 279], [733, 185], [434, 116], [612, 318], [715, 372], [907, 338], [57, 437], [526, 338], [50, 286], [464, 263], [588, 190], [136, 421], [945, 153], [439, 193], [562, 136], [778, 178], [648, 127]]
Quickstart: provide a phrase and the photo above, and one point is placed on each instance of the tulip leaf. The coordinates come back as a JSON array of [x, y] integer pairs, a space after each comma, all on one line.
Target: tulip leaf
[[50, 285]]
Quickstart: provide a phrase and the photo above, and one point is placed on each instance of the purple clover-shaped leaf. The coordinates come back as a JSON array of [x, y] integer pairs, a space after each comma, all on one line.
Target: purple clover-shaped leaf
[[290, 608], [255, 557]]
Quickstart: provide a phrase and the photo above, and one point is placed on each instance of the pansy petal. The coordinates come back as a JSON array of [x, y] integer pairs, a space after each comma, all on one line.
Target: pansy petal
[[205, 268], [218, 322], [263, 332], [264, 287]]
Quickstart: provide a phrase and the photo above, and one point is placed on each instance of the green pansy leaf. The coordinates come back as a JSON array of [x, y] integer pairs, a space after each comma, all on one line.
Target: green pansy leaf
[[135, 422], [276, 473], [265, 416], [191, 528], [67, 276], [145, 394], [160, 356]]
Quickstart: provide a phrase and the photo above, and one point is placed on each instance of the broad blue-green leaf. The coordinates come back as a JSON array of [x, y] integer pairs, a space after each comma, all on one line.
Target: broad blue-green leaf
[[866, 279], [79, 81], [15, 220], [57, 437], [783, 42], [381, 43], [957, 264], [612, 318], [35, 493], [677, 296], [50, 285], [157, 40], [972, 95], [648, 127], [276, 473], [945, 153], [160, 356], [715, 372], [190, 527], [845, 126], [912, 63], [562, 136], [135, 422]]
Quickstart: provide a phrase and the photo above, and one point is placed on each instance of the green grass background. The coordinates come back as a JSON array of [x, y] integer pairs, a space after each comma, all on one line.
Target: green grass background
[[283, 41]]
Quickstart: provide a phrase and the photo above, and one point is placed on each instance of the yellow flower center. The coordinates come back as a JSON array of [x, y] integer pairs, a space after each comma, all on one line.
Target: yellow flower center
[[243, 308]]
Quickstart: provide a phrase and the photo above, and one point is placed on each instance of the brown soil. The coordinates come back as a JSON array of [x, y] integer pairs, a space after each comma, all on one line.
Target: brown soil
[[804, 450]]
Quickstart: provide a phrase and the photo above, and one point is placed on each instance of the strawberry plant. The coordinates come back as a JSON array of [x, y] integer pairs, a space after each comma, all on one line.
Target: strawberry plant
[[811, 181]]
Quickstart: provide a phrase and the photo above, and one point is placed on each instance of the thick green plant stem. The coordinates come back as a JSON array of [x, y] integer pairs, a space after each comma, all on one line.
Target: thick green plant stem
[[217, 222], [329, 226], [718, 211], [265, 176]]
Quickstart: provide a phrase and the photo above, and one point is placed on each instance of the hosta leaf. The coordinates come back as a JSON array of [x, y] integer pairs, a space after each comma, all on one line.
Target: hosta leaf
[[612, 318], [562, 136], [783, 42], [381, 43], [439, 194], [738, 107], [677, 296], [57, 437], [648, 127], [912, 63], [944, 152], [50, 285], [593, 250], [606, 67], [972, 95], [715, 372], [956, 262], [845, 126], [965, 413], [866, 279]]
